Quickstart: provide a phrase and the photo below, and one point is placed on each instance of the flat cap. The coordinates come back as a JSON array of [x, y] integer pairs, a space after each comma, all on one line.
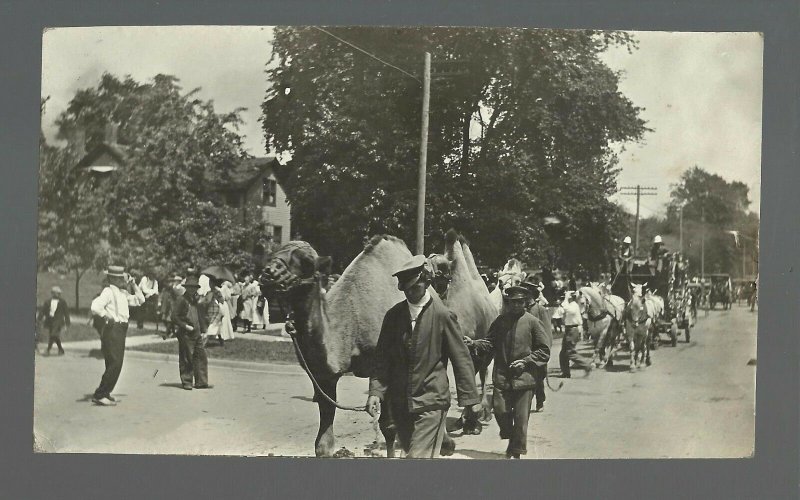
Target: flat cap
[[415, 263], [516, 293]]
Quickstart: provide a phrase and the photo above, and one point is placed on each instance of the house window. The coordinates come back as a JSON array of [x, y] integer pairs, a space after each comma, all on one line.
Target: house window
[[277, 235], [268, 193]]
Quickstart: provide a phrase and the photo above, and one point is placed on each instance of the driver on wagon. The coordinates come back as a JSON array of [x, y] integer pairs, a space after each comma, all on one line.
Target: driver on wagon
[[418, 337]]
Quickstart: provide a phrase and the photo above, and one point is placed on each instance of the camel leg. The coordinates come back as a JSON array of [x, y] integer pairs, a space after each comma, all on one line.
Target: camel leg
[[325, 442], [448, 446], [485, 403]]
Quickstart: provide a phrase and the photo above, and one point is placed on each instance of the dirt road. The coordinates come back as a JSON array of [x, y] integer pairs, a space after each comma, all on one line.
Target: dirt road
[[697, 400]]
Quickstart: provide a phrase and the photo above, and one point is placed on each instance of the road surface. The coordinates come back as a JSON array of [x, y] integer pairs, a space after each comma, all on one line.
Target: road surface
[[696, 400]]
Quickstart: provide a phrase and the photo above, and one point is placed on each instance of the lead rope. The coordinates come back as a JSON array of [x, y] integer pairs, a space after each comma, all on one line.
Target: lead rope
[[304, 365]]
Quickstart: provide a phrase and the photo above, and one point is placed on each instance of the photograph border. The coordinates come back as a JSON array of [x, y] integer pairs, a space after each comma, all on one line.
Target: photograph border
[[772, 473]]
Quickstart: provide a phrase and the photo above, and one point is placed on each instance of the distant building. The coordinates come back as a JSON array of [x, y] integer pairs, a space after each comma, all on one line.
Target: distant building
[[255, 191], [252, 187]]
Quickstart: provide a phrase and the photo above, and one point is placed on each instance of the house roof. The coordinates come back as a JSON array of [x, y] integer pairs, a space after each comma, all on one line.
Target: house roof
[[241, 175], [117, 151], [250, 169]]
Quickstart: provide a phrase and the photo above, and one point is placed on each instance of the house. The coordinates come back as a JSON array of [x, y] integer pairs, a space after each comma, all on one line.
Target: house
[[252, 186], [255, 191]]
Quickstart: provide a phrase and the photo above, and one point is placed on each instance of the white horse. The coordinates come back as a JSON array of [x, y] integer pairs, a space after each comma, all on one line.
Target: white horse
[[639, 315], [604, 319], [510, 275]]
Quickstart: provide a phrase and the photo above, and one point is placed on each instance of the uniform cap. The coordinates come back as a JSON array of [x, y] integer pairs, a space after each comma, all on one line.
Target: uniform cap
[[657, 239], [410, 272], [627, 239], [516, 293]]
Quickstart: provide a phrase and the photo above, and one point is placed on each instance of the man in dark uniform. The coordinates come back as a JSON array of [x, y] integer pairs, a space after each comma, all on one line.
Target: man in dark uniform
[[418, 336], [540, 312], [520, 345]]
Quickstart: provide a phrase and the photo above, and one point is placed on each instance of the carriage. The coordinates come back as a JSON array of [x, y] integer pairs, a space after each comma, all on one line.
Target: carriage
[[667, 280], [721, 291]]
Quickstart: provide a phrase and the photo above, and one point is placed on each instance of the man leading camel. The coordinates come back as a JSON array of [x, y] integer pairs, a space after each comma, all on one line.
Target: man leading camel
[[417, 338], [520, 345]]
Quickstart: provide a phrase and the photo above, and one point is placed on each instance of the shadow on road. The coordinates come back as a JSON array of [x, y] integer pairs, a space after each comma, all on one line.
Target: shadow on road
[[95, 353], [304, 398], [174, 385]]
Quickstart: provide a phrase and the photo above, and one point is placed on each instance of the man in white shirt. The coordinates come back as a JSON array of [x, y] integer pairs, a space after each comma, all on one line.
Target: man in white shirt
[[149, 288], [573, 320], [112, 307]]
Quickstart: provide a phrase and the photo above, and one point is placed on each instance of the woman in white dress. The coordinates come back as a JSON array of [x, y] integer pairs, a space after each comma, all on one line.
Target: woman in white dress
[[220, 327], [226, 329], [260, 308]]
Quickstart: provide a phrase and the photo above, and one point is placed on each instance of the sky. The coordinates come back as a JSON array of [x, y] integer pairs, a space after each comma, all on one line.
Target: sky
[[701, 92]]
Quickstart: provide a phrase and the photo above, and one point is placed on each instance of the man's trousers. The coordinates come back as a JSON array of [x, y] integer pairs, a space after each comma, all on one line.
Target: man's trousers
[[421, 434], [512, 409], [192, 358], [569, 353], [112, 344]]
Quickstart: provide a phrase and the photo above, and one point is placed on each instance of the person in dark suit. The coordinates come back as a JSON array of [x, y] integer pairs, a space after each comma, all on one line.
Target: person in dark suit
[[418, 337], [54, 314], [540, 312], [520, 344], [189, 318]]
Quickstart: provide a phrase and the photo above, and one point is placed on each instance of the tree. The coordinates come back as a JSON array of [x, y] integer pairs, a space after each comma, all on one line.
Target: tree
[[70, 238], [527, 128], [163, 209], [724, 205]]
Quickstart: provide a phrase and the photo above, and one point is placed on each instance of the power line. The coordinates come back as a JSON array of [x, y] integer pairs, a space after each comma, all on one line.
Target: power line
[[373, 56]]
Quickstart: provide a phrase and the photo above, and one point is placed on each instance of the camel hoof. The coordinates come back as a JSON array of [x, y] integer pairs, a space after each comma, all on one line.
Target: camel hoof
[[448, 448]]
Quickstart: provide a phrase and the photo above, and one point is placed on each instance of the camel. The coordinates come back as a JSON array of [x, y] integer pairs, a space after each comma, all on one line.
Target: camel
[[510, 275], [336, 330], [466, 295]]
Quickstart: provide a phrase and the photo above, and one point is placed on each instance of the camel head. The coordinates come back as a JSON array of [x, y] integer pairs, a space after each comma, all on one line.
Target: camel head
[[440, 265], [295, 265]]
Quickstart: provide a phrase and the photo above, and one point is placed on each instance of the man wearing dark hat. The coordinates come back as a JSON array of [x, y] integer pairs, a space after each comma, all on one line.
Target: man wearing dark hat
[[112, 308], [189, 320], [417, 338], [520, 344], [536, 309], [55, 315]]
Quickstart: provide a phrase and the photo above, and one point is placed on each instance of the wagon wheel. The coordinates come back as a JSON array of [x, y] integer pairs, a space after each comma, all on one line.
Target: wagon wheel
[[673, 334]]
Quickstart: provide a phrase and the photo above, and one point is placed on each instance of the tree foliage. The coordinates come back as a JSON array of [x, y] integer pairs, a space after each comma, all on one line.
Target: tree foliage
[[724, 206], [161, 210], [70, 218], [526, 125]]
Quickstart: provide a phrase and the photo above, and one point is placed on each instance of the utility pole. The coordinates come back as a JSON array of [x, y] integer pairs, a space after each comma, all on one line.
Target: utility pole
[[638, 191], [680, 229], [423, 155], [703, 243]]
